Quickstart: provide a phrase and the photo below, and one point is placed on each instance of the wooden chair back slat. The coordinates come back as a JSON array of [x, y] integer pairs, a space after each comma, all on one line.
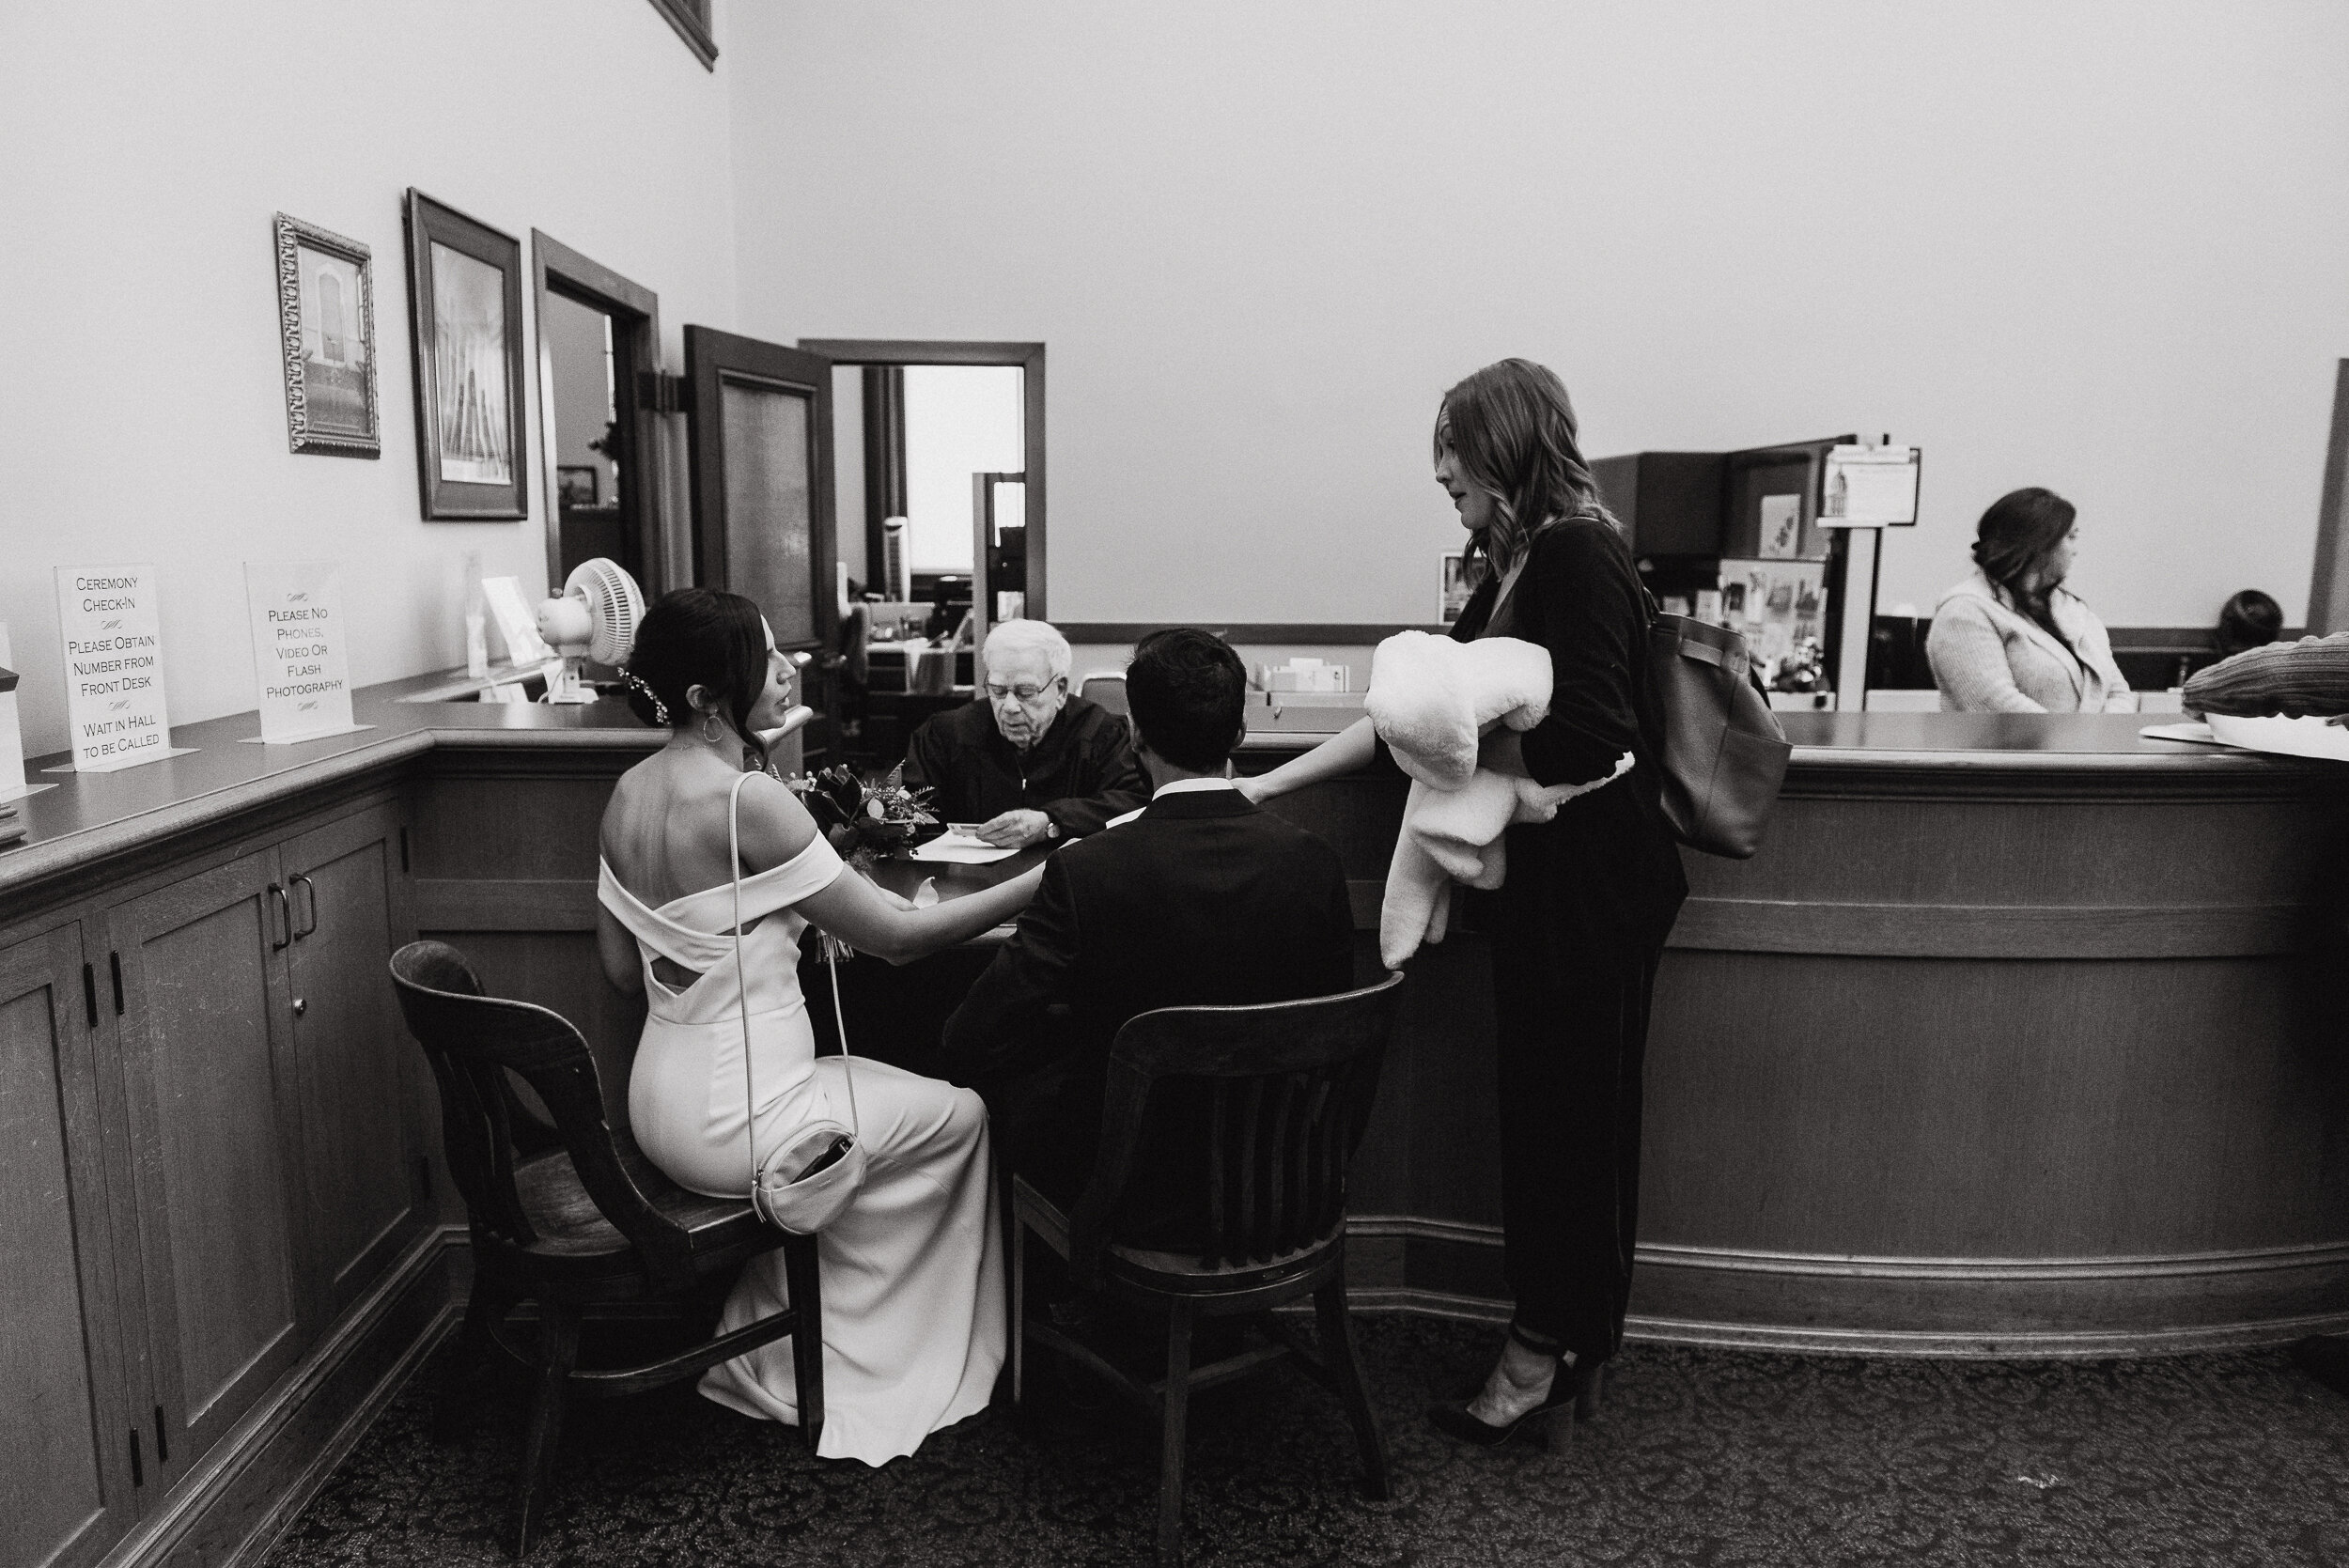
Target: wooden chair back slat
[[1304, 1174], [1289, 1086], [472, 1040]]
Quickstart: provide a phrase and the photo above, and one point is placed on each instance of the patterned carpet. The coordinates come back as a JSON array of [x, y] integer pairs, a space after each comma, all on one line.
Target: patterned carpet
[[1700, 1457]]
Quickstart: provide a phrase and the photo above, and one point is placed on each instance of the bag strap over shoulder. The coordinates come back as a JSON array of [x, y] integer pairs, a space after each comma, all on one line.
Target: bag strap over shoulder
[[743, 989]]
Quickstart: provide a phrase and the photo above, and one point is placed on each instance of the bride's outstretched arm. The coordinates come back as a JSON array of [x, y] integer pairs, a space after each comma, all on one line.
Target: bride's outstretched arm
[[1347, 752], [871, 922], [776, 828]]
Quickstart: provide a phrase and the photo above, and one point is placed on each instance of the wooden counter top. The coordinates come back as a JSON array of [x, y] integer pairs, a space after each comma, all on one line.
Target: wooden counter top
[[88, 817]]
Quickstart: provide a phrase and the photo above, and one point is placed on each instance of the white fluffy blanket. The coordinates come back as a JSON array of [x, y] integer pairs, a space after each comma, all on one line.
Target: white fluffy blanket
[[1431, 700]]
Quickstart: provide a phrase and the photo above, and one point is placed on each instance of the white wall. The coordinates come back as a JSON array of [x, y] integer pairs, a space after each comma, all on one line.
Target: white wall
[[960, 420], [2099, 247], [142, 411]]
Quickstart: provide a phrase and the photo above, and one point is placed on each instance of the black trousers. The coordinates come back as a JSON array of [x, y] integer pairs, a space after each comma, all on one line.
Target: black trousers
[[1572, 1041]]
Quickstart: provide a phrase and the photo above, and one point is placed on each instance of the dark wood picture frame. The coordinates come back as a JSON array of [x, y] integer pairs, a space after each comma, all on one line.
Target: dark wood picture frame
[[462, 414], [315, 397]]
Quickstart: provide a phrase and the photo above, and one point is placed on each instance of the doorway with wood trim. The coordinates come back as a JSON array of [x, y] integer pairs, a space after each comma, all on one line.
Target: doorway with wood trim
[[939, 454]]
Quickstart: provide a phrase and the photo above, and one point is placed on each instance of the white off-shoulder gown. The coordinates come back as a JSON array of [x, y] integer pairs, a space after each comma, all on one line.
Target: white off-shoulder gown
[[913, 1270]]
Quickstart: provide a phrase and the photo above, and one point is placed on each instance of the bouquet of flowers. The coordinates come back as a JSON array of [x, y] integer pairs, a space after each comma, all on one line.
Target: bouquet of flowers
[[872, 817]]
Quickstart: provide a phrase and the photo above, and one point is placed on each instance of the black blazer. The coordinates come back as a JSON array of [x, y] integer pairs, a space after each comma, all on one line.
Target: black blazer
[[1201, 900], [1079, 773], [1604, 877]]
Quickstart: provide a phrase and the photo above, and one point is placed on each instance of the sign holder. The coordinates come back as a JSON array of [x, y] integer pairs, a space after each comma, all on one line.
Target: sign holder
[[110, 632], [300, 651]]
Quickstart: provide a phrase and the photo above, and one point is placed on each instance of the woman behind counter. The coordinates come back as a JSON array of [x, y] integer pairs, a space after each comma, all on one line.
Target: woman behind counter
[[2011, 638], [1578, 927]]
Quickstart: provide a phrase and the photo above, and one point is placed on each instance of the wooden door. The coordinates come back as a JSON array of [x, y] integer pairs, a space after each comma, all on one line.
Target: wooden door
[[203, 1009], [66, 1489], [362, 1190], [761, 445]]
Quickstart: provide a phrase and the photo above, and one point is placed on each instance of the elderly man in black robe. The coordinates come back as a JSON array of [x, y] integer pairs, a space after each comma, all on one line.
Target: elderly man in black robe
[[1030, 763]]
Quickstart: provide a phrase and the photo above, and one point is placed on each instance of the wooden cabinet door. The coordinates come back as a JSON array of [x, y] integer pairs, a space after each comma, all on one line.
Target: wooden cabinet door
[[66, 1489], [360, 1175], [203, 1007]]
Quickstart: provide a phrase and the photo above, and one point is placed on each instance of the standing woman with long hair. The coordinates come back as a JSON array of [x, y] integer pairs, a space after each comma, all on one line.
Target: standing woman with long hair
[[1577, 928]]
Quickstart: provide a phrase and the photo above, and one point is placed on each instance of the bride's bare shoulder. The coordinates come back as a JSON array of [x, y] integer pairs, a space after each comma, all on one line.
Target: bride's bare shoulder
[[642, 800]]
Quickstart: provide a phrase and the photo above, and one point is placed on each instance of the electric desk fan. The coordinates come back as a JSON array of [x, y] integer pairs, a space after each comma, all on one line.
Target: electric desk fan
[[596, 619]]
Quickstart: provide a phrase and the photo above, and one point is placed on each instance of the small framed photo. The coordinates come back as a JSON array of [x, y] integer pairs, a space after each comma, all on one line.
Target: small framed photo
[[576, 484], [466, 298], [1457, 587], [326, 325]]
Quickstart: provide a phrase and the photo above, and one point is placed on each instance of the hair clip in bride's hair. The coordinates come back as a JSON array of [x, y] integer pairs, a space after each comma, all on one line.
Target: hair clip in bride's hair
[[660, 709]]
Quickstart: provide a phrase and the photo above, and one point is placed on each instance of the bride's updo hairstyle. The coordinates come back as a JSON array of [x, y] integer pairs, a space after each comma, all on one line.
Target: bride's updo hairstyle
[[702, 637], [1512, 427]]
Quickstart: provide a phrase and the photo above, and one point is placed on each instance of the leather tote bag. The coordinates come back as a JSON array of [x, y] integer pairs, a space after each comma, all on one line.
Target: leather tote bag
[[808, 1179], [1723, 756]]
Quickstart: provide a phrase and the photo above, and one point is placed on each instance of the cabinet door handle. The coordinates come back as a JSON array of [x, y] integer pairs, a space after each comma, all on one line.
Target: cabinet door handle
[[285, 909], [138, 1470], [114, 966], [313, 901], [90, 993], [301, 1006], [162, 1440]]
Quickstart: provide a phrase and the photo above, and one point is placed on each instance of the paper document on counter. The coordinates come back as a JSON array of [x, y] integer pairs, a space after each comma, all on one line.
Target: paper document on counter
[[960, 849]]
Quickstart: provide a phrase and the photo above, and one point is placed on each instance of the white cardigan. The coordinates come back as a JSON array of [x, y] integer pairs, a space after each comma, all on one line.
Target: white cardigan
[[1989, 657]]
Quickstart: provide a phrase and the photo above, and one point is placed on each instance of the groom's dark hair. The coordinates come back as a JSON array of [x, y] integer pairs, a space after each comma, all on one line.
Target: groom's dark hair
[[1186, 692]]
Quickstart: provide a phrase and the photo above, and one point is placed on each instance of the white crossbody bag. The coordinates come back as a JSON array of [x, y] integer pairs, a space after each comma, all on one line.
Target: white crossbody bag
[[804, 1184]]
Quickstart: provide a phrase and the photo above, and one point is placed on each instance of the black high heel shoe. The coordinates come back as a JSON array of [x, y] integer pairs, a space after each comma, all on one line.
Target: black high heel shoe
[[1574, 1391]]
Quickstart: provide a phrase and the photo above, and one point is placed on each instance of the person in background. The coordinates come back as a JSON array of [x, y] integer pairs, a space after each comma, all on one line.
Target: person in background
[[1029, 762], [851, 661], [2249, 620], [2011, 638], [1201, 900]]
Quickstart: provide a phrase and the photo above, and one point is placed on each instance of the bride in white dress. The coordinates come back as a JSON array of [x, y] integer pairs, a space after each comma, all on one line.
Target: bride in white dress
[[913, 1270]]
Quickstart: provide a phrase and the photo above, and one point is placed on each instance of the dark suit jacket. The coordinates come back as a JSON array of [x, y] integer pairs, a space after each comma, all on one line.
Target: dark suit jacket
[[1080, 772], [1604, 876], [1202, 900]]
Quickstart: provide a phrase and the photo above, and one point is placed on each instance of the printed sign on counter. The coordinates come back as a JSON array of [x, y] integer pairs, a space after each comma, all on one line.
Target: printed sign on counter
[[111, 627], [1870, 486], [300, 649]]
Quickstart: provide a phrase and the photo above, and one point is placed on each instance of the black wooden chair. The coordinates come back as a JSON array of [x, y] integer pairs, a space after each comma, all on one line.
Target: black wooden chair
[[1288, 1087], [573, 1216]]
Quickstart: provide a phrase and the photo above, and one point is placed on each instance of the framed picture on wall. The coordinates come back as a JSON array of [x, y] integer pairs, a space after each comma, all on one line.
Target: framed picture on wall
[[326, 326], [578, 485], [466, 315], [1457, 587]]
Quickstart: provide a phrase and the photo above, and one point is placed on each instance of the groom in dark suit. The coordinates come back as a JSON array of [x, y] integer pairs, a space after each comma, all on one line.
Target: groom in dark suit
[[1199, 898]]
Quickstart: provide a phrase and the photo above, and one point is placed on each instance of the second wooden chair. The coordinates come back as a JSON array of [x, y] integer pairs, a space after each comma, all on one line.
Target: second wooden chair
[[1288, 1087]]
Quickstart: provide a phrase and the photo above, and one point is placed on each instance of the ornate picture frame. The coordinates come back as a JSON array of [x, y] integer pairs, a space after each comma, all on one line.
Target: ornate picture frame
[[465, 321], [326, 328]]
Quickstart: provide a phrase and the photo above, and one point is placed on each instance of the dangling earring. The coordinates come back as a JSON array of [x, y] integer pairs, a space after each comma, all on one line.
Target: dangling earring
[[713, 731]]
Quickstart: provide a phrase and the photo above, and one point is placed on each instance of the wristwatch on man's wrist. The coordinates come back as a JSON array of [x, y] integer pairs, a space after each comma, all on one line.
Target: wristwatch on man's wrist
[[1051, 829]]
